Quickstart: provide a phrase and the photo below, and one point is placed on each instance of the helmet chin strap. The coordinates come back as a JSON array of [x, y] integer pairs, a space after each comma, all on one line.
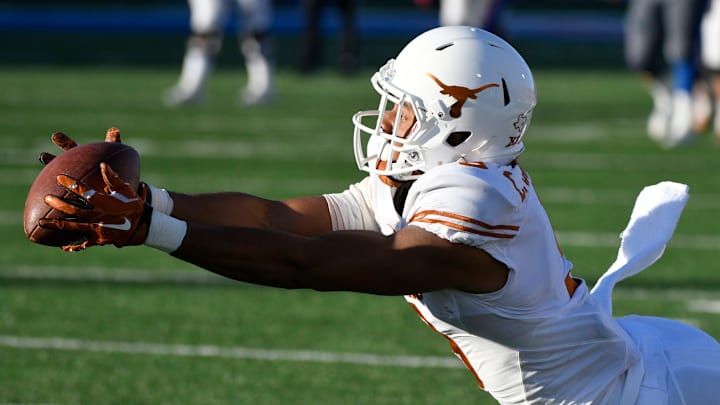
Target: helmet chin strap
[[392, 181], [387, 180]]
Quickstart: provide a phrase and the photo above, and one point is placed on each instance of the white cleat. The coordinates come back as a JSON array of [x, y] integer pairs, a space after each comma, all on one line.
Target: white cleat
[[251, 98], [659, 119], [657, 125], [176, 97], [680, 130]]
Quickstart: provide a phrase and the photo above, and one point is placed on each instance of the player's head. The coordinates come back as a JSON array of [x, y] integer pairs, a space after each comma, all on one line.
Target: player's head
[[472, 95]]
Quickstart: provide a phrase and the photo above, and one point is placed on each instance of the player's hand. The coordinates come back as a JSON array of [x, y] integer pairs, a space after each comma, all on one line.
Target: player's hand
[[115, 215], [66, 143]]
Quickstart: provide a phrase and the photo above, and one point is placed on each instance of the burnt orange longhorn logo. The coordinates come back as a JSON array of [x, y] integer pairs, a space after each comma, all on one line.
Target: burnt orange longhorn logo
[[459, 93]]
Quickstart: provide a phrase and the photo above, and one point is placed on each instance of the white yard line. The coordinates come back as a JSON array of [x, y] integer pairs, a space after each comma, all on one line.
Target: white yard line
[[709, 306], [565, 238], [201, 277], [609, 239], [110, 274], [696, 301], [285, 151], [148, 348]]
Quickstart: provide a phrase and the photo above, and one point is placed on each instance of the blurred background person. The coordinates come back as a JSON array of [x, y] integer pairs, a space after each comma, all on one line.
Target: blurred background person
[[710, 52], [484, 14], [661, 42], [208, 20], [477, 13], [313, 46]]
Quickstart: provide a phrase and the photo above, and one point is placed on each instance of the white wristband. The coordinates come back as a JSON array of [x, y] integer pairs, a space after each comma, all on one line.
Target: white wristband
[[166, 233], [160, 199]]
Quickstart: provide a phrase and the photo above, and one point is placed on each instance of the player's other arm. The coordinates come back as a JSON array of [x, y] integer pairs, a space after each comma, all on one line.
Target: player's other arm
[[410, 261]]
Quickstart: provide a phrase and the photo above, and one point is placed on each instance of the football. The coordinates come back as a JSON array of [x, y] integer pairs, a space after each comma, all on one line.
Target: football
[[83, 163]]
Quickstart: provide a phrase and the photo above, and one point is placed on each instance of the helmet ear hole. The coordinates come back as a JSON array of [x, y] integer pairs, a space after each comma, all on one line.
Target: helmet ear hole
[[506, 93], [456, 138]]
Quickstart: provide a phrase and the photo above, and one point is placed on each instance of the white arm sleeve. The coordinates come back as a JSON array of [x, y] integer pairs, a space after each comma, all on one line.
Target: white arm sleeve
[[351, 209]]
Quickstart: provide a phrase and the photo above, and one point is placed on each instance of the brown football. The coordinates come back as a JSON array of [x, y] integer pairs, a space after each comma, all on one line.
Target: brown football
[[83, 163]]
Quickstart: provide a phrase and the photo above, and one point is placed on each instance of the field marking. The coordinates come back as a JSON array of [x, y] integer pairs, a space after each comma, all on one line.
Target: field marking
[[606, 162], [111, 274], [696, 301], [576, 238], [710, 306], [202, 277], [702, 301], [182, 350], [266, 148], [259, 184], [566, 238], [614, 197], [610, 239]]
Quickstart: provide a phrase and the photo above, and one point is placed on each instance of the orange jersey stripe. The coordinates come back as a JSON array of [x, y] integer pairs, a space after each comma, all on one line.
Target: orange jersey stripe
[[423, 217], [479, 165], [466, 229], [473, 221], [454, 346]]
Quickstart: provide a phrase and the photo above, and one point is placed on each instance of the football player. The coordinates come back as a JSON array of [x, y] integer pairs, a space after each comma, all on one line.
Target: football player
[[485, 14], [207, 22], [448, 218], [662, 35], [313, 44], [710, 52], [477, 13]]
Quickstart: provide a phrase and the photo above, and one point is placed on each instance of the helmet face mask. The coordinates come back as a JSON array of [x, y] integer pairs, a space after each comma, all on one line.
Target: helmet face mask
[[401, 156], [472, 96]]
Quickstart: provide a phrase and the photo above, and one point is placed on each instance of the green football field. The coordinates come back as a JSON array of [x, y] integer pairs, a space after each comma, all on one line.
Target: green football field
[[134, 325]]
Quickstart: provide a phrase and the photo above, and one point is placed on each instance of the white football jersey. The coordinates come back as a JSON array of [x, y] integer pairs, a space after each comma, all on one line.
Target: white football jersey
[[542, 338]]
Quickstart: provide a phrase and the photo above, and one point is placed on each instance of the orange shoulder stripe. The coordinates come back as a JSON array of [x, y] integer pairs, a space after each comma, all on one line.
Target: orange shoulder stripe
[[425, 216], [479, 165], [466, 228]]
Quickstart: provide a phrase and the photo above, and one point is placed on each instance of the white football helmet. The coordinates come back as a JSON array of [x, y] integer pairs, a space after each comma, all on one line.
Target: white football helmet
[[472, 95]]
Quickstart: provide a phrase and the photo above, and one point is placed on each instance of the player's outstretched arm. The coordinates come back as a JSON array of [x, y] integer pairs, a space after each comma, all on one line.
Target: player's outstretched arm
[[100, 215], [293, 247], [411, 261], [303, 216]]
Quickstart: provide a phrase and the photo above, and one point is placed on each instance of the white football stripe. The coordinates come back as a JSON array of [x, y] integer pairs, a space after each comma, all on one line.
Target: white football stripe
[[61, 343], [709, 306], [609, 239], [284, 150]]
